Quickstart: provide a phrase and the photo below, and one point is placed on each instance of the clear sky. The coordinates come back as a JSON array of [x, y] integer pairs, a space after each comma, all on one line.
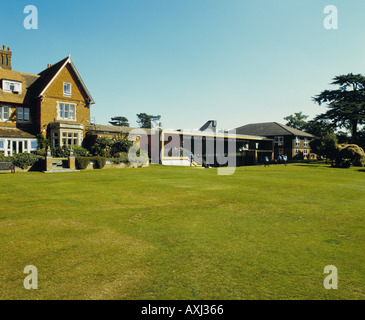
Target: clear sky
[[234, 61]]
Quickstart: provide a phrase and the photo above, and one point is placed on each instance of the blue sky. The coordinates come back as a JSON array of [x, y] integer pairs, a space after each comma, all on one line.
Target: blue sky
[[234, 61]]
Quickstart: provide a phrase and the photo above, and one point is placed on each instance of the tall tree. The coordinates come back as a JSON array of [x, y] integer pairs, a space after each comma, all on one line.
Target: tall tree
[[297, 120], [346, 104], [326, 145], [148, 121], [318, 127], [119, 121]]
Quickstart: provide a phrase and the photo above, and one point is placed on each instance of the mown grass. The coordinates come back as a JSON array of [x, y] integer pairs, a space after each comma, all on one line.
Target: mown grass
[[184, 233]]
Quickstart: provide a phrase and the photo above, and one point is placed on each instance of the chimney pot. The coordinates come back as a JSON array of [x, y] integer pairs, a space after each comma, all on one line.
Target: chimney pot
[[8, 48], [3, 47]]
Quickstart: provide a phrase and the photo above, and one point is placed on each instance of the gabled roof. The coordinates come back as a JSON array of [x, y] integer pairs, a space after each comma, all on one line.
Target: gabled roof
[[48, 75], [269, 129], [34, 86]]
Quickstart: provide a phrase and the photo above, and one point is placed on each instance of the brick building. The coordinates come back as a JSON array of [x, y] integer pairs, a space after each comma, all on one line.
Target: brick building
[[287, 140], [55, 103]]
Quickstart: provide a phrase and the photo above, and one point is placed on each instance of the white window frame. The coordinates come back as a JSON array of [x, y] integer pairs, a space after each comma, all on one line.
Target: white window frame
[[67, 93], [62, 116], [297, 141], [66, 136], [2, 118], [12, 86], [306, 142]]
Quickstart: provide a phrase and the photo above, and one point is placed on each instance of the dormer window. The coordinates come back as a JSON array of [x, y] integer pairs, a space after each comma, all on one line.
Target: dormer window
[[12, 86], [67, 89]]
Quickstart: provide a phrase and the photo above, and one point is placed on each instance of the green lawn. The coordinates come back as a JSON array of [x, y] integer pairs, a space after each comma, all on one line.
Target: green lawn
[[184, 233]]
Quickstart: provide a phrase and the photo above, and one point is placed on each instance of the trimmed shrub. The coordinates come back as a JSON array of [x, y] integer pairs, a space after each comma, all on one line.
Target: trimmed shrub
[[25, 160], [82, 162], [5, 159], [99, 162]]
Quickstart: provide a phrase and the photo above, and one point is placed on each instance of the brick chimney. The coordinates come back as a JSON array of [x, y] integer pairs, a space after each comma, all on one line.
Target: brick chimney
[[5, 58]]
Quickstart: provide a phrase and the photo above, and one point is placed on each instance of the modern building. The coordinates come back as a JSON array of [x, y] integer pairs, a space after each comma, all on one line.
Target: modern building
[[55, 103], [287, 140], [173, 147]]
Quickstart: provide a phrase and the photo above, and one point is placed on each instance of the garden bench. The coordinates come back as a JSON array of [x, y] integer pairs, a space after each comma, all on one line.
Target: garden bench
[[7, 166]]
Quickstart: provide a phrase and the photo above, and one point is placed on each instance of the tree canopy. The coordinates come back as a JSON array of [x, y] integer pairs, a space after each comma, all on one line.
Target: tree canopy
[[119, 121], [297, 120], [148, 121], [346, 104]]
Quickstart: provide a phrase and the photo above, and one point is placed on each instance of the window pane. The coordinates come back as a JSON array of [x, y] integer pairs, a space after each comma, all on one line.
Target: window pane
[[1, 113], [67, 88], [26, 114], [61, 110], [72, 112], [1, 144], [20, 114], [5, 113], [66, 111]]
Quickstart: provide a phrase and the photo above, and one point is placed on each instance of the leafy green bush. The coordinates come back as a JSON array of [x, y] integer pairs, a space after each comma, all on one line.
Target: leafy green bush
[[99, 161], [122, 158], [60, 152], [25, 160], [82, 162], [5, 159], [42, 142], [120, 146], [102, 147], [79, 151], [350, 154], [42, 152]]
